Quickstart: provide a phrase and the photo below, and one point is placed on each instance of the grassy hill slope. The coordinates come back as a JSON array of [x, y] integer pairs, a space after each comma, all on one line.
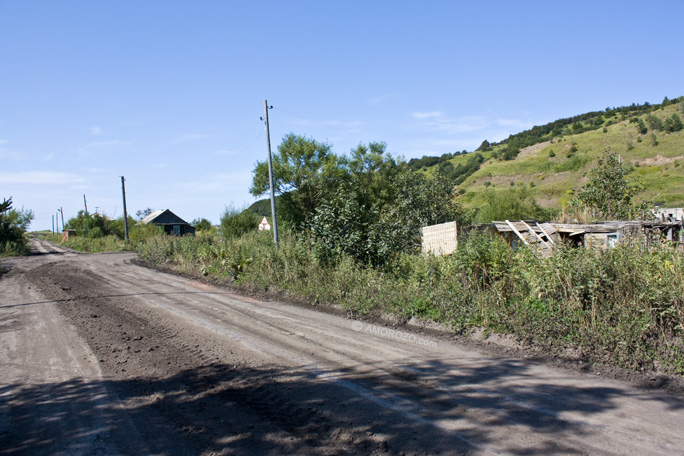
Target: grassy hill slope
[[555, 167]]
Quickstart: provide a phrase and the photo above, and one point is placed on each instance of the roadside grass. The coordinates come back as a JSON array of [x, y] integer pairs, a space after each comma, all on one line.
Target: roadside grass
[[623, 306], [91, 245]]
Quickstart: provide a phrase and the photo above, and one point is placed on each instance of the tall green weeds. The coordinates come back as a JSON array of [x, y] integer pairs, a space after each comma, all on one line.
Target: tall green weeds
[[624, 305]]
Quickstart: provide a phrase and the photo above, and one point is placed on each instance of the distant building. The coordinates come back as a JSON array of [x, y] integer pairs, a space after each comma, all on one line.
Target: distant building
[[171, 223]]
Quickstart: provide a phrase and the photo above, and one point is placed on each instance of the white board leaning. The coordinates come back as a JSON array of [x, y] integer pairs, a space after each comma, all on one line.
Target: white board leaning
[[439, 239]]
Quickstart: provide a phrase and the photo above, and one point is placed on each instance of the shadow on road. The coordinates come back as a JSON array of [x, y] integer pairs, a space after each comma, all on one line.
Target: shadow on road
[[223, 408]]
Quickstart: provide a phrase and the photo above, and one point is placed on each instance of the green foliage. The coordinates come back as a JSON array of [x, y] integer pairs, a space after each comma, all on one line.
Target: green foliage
[[262, 207], [654, 140], [13, 226], [201, 224], [624, 306], [673, 124], [485, 146], [235, 222], [608, 195], [97, 225], [642, 129], [573, 163], [303, 169], [655, 123], [510, 204], [376, 215]]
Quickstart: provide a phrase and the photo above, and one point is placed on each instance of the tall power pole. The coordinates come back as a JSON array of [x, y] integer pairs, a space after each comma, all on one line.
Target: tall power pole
[[61, 211], [270, 175], [85, 204], [53, 224], [123, 191]]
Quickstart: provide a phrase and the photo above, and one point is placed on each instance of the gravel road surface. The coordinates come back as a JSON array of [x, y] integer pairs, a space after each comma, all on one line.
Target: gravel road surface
[[101, 356]]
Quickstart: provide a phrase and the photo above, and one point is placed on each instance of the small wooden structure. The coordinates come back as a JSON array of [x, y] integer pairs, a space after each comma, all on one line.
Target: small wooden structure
[[171, 223], [542, 237], [66, 234]]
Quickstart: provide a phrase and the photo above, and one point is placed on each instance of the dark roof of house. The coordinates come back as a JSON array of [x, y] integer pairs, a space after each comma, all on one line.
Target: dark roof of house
[[164, 217]]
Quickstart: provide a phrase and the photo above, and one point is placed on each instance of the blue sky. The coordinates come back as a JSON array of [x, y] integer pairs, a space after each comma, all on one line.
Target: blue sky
[[169, 93]]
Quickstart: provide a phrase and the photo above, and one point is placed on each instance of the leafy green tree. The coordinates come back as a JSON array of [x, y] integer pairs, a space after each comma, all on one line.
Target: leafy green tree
[[371, 170], [235, 222], [373, 230], [303, 171], [608, 195], [201, 224], [419, 201], [13, 226], [641, 126], [97, 225], [654, 123], [673, 124], [485, 146]]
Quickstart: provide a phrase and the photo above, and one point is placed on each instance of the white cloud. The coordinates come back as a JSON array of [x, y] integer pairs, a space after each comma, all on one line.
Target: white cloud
[[427, 115], [94, 131], [39, 178], [49, 156]]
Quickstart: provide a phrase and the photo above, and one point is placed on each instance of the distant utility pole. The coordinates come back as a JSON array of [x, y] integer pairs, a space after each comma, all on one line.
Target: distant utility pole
[[61, 211], [53, 224], [123, 191], [57, 219], [85, 204], [270, 175]]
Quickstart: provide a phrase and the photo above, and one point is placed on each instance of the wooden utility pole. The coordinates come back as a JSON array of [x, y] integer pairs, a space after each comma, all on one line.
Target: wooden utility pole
[[85, 204], [270, 175], [53, 224], [61, 211], [123, 191]]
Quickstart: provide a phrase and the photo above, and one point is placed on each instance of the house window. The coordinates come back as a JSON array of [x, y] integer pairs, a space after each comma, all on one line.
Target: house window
[[612, 240], [176, 230]]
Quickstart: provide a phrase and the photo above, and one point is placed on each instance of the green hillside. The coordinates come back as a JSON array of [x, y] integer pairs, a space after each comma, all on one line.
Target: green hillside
[[554, 160]]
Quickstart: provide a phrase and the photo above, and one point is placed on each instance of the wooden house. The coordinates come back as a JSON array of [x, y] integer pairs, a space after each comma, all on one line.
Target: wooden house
[[171, 223]]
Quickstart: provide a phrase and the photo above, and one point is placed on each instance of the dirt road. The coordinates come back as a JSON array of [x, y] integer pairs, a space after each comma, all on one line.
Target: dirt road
[[101, 356]]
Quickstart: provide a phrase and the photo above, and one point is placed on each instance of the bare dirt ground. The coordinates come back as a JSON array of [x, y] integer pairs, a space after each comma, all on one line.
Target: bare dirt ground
[[101, 356]]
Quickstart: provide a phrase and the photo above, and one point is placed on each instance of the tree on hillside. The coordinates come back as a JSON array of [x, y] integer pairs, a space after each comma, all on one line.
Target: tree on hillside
[[673, 124], [608, 195], [485, 146], [303, 169]]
